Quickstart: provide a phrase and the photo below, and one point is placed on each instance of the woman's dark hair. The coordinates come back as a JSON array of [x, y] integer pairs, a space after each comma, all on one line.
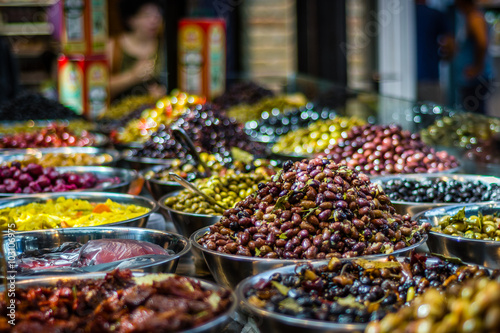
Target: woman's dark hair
[[129, 8]]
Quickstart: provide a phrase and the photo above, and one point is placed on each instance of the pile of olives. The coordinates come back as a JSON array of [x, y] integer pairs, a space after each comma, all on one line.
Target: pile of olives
[[226, 190], [315, 138], [275, 123], [473, 306], [461, 130]]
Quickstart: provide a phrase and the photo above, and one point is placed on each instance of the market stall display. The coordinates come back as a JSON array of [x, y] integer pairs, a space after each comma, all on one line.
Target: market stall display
[[347, 292], [330, 241], [388, 149], [170, 302]]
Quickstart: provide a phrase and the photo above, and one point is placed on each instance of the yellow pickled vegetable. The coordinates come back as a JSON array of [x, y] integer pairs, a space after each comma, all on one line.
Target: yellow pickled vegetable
[[64, 213]]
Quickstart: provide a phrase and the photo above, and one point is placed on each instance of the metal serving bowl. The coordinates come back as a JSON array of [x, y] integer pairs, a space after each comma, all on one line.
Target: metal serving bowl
[[186, 223], [476, 251], [50, 238], [156, 187], [412, 208], [213, 326], [268, 321], [229, 269], [140, 163], [8, 155], [126, 178], [128, 145], [93, 197], [292, 157]]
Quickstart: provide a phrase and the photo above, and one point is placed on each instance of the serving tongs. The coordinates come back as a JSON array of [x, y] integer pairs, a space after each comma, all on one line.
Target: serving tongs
[[182, 137], [187, 185]]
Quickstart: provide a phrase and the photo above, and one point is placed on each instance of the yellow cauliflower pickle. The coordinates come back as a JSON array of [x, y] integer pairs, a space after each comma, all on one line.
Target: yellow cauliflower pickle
[[67, 213]]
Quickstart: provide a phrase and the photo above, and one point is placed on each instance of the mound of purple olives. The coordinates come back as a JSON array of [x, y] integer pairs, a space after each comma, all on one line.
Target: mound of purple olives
[[314, 210], [382, 150], [34, 178]]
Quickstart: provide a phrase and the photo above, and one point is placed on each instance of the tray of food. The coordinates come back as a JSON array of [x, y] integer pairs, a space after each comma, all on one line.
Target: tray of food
[[65, 156], [72, 251], [75, 209], [414, 193], [147, 303]]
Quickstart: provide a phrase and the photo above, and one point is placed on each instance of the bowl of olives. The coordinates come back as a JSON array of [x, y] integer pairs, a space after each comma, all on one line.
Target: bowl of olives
[[415, 193], [470, 232], [343, 295]]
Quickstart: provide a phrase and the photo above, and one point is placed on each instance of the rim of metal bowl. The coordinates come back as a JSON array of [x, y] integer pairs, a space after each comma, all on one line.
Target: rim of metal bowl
[[155, 168], [291, 155], [132, 174], [126, 156], [304, 323], [115, 154], [161, 203], [107, 230], [418, 176], [78, 194], [198, 233], [221, 318], [420, 218]]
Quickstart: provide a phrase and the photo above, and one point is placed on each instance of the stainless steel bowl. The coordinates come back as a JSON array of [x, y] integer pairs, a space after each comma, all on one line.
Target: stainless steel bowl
[[93, 197], [126, 178], [268, 321], [186, 223], [412, 208], [140, 163], [156, 187], [480, 252], [229, 269], [213, 326], [50, 238], [292, 157], [128, 145], [8, 155]]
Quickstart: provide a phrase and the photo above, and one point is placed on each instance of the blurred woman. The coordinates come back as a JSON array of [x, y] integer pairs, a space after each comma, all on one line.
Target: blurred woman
[[472, 62], [136, 56]]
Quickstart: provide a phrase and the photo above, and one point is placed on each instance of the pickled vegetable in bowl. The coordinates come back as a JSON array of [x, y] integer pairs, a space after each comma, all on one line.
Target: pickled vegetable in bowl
[[66, 213], [481, 227]]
